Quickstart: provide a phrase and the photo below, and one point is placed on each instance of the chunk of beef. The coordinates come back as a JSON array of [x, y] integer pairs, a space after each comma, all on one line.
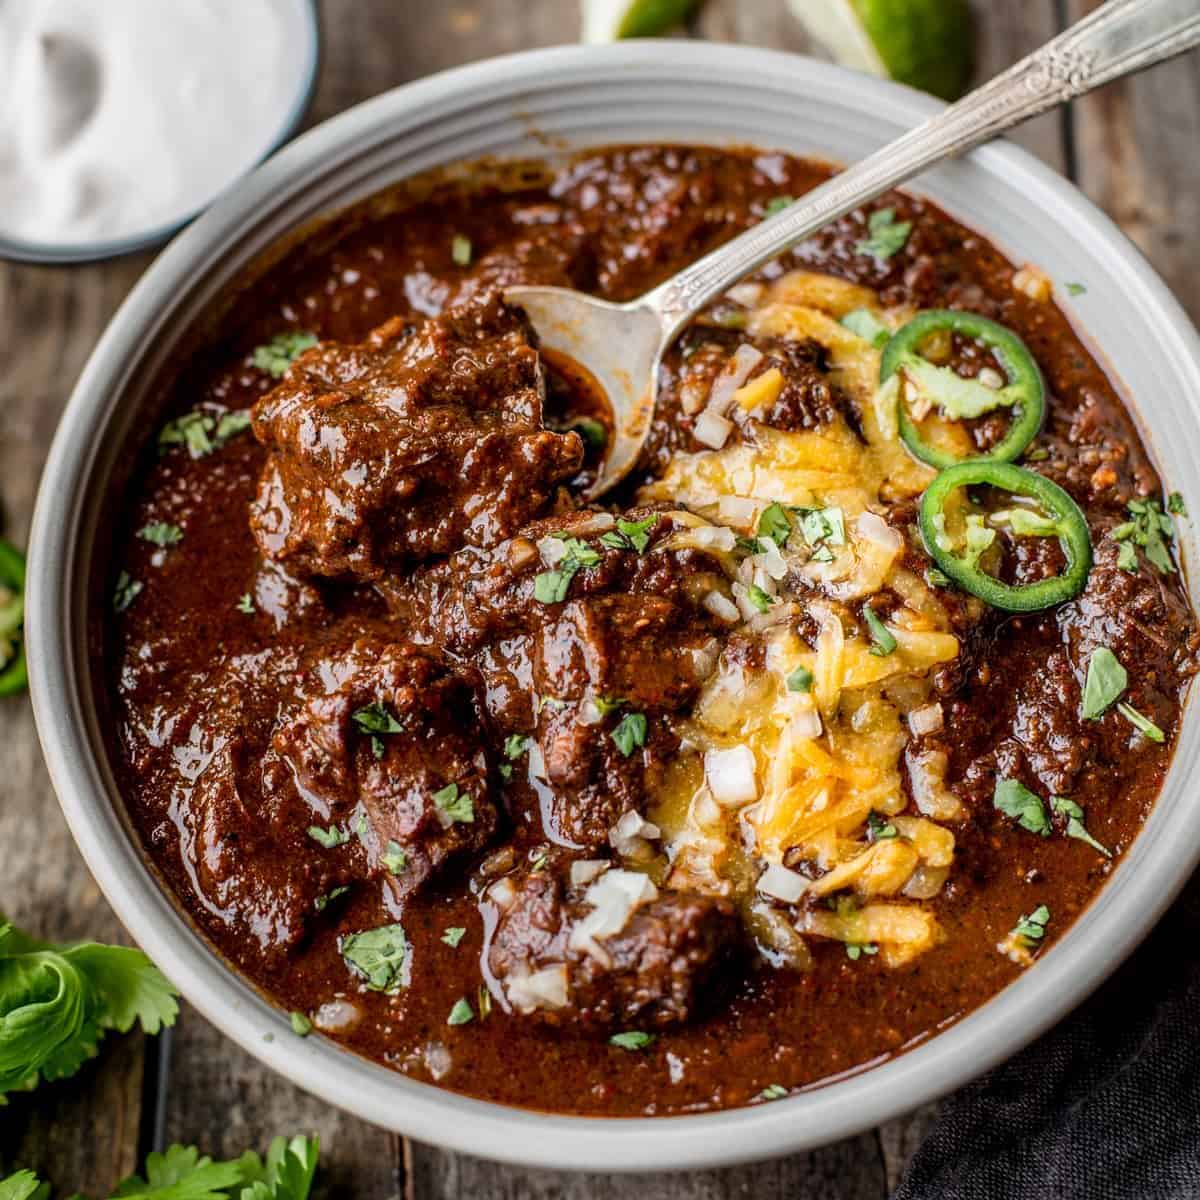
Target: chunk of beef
[[675, 955], [384, 740], [414, 443]]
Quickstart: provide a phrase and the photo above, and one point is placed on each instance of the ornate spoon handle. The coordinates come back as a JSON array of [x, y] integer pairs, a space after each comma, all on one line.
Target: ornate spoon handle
[[1119, 38]]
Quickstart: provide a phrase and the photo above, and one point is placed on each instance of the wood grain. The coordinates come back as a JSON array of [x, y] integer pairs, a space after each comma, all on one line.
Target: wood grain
[[1136, 149]]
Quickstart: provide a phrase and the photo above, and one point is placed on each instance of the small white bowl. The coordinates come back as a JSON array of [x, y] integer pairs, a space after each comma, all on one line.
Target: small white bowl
[[586, 96], [304, 48]]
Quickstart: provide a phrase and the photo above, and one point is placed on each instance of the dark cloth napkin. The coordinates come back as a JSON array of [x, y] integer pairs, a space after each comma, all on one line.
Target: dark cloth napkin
[[1104, 1107]]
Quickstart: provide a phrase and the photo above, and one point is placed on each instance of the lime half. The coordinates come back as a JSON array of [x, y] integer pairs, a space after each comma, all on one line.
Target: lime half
[[608, 20], [927, 44]]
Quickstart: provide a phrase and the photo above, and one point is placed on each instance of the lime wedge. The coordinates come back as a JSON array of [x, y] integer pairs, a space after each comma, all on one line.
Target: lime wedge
[[608, 20], [927, 44]]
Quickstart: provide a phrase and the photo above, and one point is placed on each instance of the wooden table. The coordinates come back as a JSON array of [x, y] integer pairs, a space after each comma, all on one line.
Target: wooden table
[[1132, 148]]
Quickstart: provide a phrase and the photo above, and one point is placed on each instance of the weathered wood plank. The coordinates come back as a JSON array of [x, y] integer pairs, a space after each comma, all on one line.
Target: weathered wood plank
[[81, 1132], [1137, 147]]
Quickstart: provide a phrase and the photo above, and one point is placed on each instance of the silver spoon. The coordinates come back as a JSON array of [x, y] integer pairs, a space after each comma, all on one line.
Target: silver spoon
[[621, 344]]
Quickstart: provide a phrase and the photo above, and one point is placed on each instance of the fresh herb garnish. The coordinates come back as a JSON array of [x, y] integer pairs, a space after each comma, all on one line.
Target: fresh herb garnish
[[506, 771], [160, 533], [321, 903], [246, 604], [539, 863], [126, 591], [281, 351], [608, 704], [515, 745], [630, 733], [454, 935], [777, 204], [460, 250], [1142, 724], [375, 720], [1076, 289], [773, 1091], [880, 827], [868, 327], [394, 859], [774, 523], [882, 638], [58, 1000], [1127, 558], [203, 432], [377, 956], [885, 235], [1015, 800], [1151, 529], [855, 950], [800, 680], [461, 1013], [1075, 825], [760, 599], [329, 838], [550, 587], [822, 527], [1030, 930], [633, 1040], [1106, 680], [1176, 505], [301, 1025], [456, 804], [630, 535]]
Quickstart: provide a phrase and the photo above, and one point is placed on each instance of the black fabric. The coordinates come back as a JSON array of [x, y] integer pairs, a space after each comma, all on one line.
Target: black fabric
[[1104, 1107]]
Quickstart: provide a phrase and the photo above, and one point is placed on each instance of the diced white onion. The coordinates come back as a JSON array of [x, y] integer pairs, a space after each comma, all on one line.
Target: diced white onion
[[584, 870], [990, 378], [737, 510], [771, 559], [705, 810], [537, 761], [731, 775], [927, 773], [764, 582], [337, 1016], [732, 376], [437, 1059], [874, 529], [589, 713], [712, 429], [705, 659], [613, 898], [632, 824], [721, 607], [746, 294], [502, 894], [806, 723], [546, 988], [711, 537], [782, 884], [929, 719], [552, 549], [599, 522]]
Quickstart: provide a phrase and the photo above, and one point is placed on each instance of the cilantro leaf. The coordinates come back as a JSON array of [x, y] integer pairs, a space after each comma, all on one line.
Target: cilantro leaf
[[246, 604], [286, 1175], [1030, 930], [454, 935], [1142, 724], [777, 204], [630, 535], [550, 587], [394, 859], [1176, 505], [1015, 800], [24, 1185], [281, 351], [515, 745], [774, 523], [461, 1013], [301, 1025], [868, 326], [885, 235], [203, 432], [761, 599], [882, 639], [633, 1040], [460, 250], [1075, 826], [1106, 680], [1151, 529], [329, 838], [879, 827], [456, 804], [127, 590], [630, 733], [377, 956], [773, 1091], [800, 680], [160, 533]]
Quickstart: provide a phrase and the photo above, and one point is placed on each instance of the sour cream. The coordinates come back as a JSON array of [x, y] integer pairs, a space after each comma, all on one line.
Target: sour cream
[[123, 117]]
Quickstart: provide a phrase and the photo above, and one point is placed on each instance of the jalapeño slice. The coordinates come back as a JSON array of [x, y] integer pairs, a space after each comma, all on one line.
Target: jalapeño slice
[[1063, 519], [1024, 390]]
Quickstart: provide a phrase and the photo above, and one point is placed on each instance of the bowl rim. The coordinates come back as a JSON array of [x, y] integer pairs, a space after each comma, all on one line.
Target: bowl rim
[[1149, 876], [25, 250]]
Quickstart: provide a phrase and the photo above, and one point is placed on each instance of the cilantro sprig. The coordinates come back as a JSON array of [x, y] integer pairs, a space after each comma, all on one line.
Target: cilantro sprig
[[281, 351], [550, 587], [1152, 530], [885, 235], [58, 1001]]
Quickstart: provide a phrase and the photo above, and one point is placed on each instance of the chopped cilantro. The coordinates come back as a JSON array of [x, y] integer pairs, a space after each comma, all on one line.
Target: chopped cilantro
[[885, 235], [1151, 529], [633, 1040], [882, 638], [454, 935], [1076, 289], [777, 204], [393, 858], [246, 604], [506, 771], [456, 804], [630, 733], [1127, 558], [461, 250], [760, 599], [321, 903], [1106, 680], [1075, 825], [868, 326], [773, 1091], [774, 523], [376, 721], [1142, 724], [550, 587], [854, 950], [281, 351], [329, 838], [461, 1013], [301, 1025], [126, 591], [1176, 505], [608, 704], [539, 863], [593, 432], [1030, 930], [160, 533], [880, 827], [515, 745], [822, 527], [377, 956], [1015, 800], [630, 535], [800, 680], [203, 432]]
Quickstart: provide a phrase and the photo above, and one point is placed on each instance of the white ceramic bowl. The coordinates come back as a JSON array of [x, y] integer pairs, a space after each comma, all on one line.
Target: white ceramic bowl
[[650, 91]]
